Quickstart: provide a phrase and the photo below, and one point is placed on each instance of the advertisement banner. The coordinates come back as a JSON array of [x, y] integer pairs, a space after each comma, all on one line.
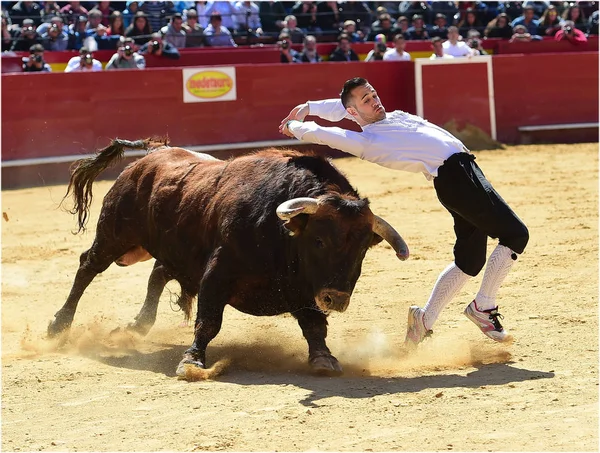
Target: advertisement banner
[[209, 84]]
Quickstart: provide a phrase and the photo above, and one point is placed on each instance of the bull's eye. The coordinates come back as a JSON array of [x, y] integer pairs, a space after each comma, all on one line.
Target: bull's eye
[[319, 243]]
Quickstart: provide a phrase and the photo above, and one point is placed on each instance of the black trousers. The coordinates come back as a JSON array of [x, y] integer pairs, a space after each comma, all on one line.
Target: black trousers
[[478, 212]]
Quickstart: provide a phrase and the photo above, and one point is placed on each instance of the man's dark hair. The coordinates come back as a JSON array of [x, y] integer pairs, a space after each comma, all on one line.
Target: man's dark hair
[[349, 86], [343, 36]]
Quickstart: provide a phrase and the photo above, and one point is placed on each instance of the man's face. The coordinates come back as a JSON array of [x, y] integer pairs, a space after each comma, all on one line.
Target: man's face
[[399, 44], [292, 23], [440, 22], [192, 21], [418, 23], [452, 34], [310, 45], [438, 49], [366, 105], [350, 28], [177, 24], [94, 21], [529, 14], [386, 24], [345, 45]]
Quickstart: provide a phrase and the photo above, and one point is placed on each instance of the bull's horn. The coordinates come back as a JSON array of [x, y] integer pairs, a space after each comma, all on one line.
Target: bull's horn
[[295, 206], [387, 232]]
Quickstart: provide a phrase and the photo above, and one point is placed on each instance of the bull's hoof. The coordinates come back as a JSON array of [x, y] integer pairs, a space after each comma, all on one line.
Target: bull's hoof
[[325, 365], [56, 327], [139, 328], [188, 361]]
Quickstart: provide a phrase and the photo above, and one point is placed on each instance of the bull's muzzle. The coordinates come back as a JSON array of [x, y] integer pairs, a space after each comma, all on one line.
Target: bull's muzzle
[[331, 299]]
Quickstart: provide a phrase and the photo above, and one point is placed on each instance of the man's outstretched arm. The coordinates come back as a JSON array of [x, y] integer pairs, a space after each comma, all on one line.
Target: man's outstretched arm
[[335, 137], [327, 109]]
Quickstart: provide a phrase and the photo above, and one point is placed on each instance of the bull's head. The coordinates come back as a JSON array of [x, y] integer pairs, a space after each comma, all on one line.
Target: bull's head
[[333, 234]]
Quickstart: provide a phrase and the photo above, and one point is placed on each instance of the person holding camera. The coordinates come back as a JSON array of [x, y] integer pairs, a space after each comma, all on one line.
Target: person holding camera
[[26, 37], [474, 42], [156, 46], [569, 32], [397, 53], [55, 39], [286, 53], [35, 62], [126, 56], [85, 62], [379, 49]]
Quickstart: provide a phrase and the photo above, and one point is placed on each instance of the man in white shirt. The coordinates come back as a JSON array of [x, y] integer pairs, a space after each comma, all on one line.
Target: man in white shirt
[[397, 53], [456, 48], [85, 62], [438, 49], [402, 141]]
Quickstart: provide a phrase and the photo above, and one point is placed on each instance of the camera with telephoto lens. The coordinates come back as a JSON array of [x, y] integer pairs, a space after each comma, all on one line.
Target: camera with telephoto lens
[[37, 58], [568, 30], [155, 46], [87, 59], [127, 50], [381, 47], [285, 44], [475, 43]]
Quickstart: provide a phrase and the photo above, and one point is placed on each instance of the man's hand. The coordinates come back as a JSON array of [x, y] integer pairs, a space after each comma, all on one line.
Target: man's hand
[[298, 113], [285, 130]]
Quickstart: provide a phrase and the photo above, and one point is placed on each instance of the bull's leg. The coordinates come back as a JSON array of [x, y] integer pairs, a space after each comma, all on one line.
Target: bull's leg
[[89, 266], [314, 327], [212, 298], [156, 284]]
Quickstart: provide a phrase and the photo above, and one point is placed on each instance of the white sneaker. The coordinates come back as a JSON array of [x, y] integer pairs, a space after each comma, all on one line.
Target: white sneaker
[[488, 321], [416, 331]]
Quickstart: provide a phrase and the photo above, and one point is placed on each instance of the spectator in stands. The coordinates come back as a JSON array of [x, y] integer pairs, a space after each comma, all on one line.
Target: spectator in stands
[[216, 34], [50, 9], [513, 9], [489, 11], [78, 33], [226, 10], [520, 34], [538, 7], [440, 28], [247, 18], [474, 42], [26, 37], [309, 52], [159, 47], [454, 47], [194, 32], [286, 53], [549, 22], [343, 52], [95, 20], [306, 15], [129, 12], [401, 26], [72, 11], [292, 29], [26, 10], [379, 49], [272, 16], [382, 27], [328, 18], [593, 23], [359, 12], [528, 20], [397, 53], [55, 39], [85, 62], [448, 9], [203, 18], [156, 13], [126, 57], [438, 49], [349, 28], [409, 9], [569, 32], [103, 41], [418, 31], [35, 62], [499, 27], [140, 29], [106, 10], [7, 37], [470, 22], [174, 32], [116, 25], [575, 14]]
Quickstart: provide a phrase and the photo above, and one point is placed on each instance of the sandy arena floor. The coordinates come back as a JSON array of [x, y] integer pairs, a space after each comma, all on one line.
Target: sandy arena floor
[[461, 392]]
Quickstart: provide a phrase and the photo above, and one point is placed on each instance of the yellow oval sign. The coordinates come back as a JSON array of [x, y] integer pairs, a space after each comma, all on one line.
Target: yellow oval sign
[[209, 84]]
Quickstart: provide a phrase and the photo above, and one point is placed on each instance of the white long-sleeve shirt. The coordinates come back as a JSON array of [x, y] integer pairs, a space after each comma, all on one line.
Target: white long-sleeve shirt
[[401, 141]]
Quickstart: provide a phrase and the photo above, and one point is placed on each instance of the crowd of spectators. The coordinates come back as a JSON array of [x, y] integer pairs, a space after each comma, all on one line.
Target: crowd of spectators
[[137, 28]]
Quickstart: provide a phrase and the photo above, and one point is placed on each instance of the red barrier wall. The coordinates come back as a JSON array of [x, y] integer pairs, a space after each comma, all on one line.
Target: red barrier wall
[[544, 89], [64, 114]]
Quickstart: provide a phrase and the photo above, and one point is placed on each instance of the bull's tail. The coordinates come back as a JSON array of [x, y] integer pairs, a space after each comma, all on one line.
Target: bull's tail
[[85, 171]]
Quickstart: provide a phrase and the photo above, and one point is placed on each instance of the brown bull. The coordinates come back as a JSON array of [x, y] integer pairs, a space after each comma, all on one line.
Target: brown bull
[[267, 233]]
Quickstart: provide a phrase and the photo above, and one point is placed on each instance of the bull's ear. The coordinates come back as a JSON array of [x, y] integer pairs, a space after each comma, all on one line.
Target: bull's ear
[[296, 224], [376, 240]]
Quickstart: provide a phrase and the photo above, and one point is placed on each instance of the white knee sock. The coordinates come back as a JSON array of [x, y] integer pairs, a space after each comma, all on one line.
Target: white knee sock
[[498, 265], [450, 281]]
